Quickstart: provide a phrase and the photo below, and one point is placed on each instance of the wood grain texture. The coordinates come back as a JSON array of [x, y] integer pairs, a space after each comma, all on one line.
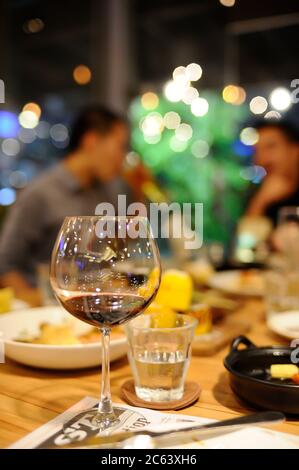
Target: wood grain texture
[[31, 397]]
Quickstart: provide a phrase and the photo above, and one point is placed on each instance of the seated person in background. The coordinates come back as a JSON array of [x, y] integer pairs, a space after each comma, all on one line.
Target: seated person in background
[[277, 150], [86, 177]]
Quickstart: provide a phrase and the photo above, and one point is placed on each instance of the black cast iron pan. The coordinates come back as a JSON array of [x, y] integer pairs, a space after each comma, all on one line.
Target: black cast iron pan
[[250, 377]]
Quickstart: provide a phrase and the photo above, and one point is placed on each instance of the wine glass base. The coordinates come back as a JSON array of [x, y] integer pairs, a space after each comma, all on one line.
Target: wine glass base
[[95, 423], [103, 421]]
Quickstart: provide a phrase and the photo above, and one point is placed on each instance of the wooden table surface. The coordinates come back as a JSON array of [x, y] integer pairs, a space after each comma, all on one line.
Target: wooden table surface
[[31, 397]]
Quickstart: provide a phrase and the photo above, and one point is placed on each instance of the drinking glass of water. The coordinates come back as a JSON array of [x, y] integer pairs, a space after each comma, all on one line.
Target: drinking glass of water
[[159, 357]]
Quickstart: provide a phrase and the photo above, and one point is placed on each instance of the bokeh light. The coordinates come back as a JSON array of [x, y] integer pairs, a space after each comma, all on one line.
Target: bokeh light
[[28, 119], [249, 136], [200, 148], [177, 145], [34, 108], [152, 124], [82, 74], [59, 132], [193, 72], [18, 179], [43, 130], [184, 132], [11, 147], [254, 173], [27, 136], [199, 107], [189, 95], [132, 159], [149, 100], [281, 99], [173, 91], [272, 115], [234, 94], [227, 3], [7, 196], [171, 120], [9, 124], [34, 25], [258, 105]]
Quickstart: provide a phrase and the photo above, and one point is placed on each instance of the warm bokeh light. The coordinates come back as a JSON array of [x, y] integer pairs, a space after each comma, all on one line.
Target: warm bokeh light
[[258, 105], [171, 120], [82, 74], [179, 73], [281, 99], [193, 72], [234, 94], [184, 132], [199, 107], [174, 91], [35, 25], [227, 3], [28, 119], [152, 125], [34, 108], [249, 136], [149, 100], [272, 115], [189, 95]]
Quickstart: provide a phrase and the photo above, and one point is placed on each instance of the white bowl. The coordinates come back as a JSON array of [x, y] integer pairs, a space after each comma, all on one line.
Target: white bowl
[[77, 356], [285, 324]]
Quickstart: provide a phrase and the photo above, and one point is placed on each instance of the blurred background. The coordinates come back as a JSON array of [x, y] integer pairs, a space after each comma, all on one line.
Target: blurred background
[[192, 76]]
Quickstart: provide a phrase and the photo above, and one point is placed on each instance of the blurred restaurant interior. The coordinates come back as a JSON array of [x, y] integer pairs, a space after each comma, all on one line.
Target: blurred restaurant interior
[[177, 101]]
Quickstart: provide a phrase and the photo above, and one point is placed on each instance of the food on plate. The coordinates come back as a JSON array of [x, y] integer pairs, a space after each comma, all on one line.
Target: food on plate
[[295, 379], [251, 279], [283, 371], [63, 335], [175, 290], [6, 297], [218, 304], [203, 315]]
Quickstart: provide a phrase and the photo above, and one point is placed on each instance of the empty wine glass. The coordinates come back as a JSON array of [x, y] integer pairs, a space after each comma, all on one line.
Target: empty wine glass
[[105, 271]]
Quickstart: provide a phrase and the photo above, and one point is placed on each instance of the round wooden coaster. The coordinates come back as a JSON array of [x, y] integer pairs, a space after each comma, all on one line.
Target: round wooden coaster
[[191, 394]]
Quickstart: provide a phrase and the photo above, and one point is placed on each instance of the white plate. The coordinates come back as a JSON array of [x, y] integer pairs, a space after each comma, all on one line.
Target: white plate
[[285, 324], [76, 356], [228, 281]]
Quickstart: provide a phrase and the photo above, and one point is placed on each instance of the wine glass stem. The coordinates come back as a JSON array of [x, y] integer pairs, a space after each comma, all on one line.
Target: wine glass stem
[[105, 405]]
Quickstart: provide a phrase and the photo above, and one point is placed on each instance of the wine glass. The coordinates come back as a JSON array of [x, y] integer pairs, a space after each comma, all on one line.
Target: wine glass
[[105, 271]]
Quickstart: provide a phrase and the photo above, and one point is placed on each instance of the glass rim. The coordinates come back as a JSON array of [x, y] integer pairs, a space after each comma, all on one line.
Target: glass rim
[[192, 324]]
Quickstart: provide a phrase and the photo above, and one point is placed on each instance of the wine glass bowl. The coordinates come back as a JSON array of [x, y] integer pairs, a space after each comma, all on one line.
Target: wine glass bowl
[[105, 271]]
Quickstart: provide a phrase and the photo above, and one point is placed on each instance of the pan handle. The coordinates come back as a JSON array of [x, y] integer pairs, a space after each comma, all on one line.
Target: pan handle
[[241, 340]]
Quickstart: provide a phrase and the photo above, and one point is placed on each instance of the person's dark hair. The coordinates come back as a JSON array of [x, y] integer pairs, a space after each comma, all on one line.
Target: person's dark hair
[[290, 131], [93, 118]]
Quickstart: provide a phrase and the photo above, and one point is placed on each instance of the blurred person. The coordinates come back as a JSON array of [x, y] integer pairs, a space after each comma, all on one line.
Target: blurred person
[[277, 151], [89, 174]]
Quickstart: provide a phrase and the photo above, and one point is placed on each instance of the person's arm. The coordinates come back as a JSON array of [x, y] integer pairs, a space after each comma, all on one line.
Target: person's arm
[[274, 189], [22, 228]]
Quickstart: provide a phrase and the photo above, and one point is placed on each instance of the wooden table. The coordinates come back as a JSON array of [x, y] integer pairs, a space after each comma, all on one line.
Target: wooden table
[[31, 397]]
